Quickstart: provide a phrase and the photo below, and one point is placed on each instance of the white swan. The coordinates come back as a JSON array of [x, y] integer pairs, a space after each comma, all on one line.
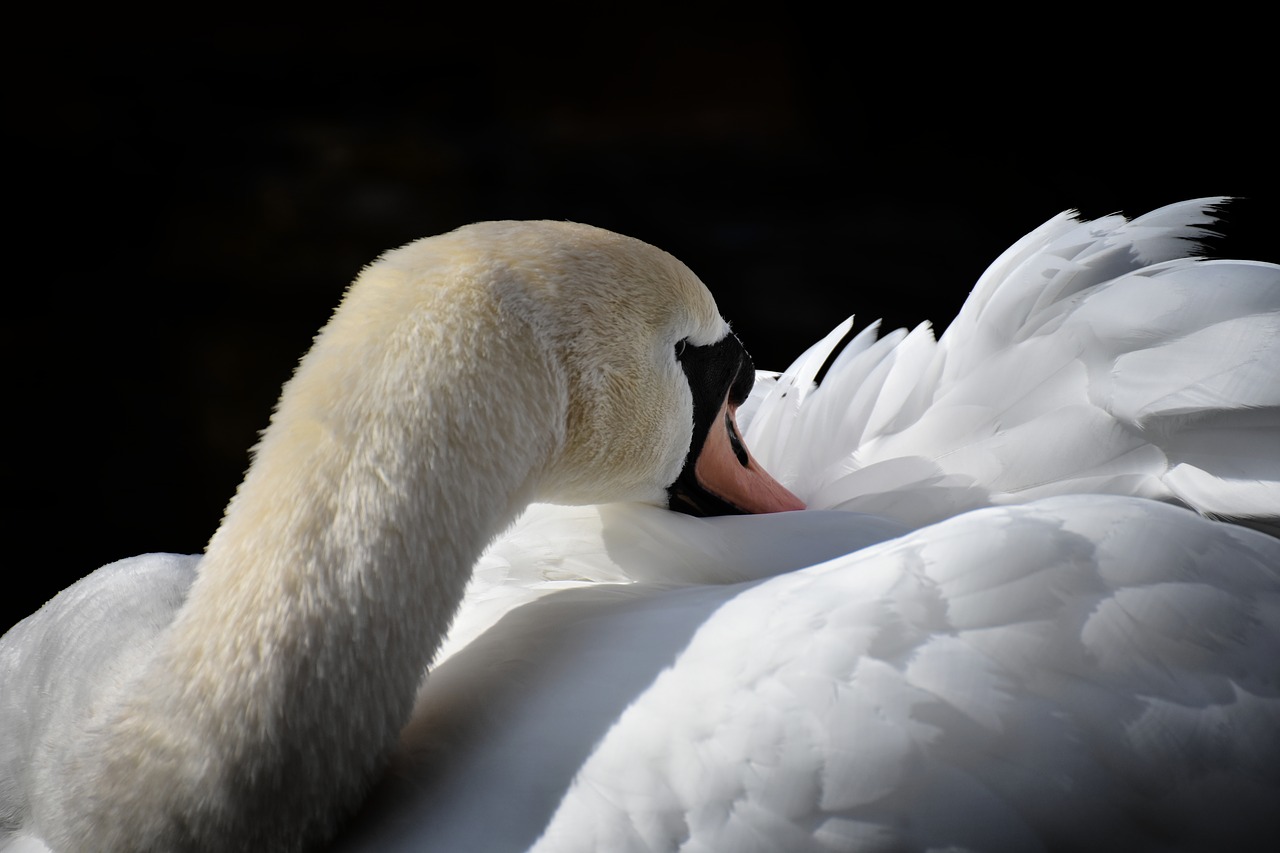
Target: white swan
[[246, 700], [1017, 650], [1036, 656]]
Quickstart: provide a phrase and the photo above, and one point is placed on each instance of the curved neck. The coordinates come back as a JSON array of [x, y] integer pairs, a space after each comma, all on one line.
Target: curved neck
[[286, 677]]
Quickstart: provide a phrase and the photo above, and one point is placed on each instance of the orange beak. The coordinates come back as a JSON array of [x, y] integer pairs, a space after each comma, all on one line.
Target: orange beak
[[726, 470]]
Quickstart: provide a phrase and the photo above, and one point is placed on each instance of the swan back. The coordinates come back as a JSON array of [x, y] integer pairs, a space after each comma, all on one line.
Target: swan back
[[1100, 356]]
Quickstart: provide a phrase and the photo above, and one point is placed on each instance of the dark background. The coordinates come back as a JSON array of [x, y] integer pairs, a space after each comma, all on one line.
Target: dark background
[[189, 198]]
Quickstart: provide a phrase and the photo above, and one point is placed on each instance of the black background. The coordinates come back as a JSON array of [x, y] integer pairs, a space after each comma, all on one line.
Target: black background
[[188, 198]]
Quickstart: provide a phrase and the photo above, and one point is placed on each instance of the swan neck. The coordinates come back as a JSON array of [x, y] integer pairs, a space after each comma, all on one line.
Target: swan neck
[[355, 532], [281, 686]]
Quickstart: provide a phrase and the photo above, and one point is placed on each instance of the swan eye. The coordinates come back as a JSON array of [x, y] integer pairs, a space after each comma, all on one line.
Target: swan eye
[[735, 442], [680, 347]]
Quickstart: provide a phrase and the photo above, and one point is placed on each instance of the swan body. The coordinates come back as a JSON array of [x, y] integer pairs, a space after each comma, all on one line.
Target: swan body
[[926, 692], [1009, 620]]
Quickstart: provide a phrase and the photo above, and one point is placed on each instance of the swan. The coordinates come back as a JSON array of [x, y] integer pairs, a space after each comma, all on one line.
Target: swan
[[246, 699], [1033, 602], [1013, 617]]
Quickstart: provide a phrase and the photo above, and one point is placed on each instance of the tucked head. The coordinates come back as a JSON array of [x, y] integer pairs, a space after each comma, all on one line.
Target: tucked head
[[648, 370]]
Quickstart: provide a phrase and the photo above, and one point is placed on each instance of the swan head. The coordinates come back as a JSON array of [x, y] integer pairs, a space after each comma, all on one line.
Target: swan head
[[625, 341]]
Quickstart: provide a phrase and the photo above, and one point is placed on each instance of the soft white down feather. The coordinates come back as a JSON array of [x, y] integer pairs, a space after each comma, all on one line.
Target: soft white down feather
[[1010, 620]]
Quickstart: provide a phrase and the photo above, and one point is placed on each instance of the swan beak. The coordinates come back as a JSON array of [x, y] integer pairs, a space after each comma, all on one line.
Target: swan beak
[[727, 479]]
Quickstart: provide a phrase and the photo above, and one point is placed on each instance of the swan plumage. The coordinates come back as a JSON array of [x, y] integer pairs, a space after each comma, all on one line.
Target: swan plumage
[[1004, 623], [1010, 620]]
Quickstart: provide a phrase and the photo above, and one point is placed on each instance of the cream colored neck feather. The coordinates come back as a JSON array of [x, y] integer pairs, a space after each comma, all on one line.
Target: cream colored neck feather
[[462, 377], [285, 678]]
